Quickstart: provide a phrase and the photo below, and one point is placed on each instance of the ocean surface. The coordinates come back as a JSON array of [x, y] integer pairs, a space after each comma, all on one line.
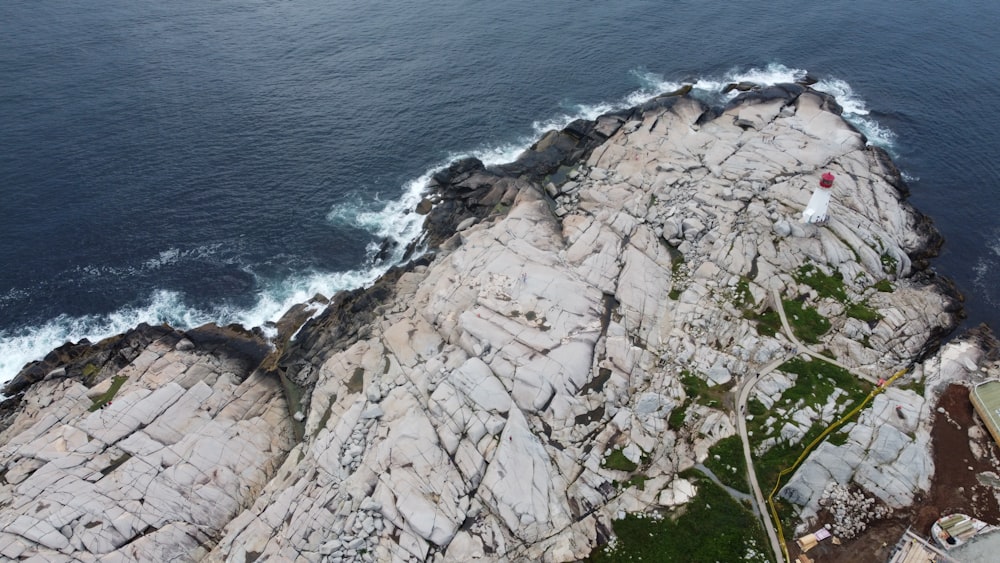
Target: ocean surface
[[193, 161]]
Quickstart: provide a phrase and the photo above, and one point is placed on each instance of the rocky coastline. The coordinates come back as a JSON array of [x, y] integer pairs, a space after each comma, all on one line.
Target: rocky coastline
[[598, 298]]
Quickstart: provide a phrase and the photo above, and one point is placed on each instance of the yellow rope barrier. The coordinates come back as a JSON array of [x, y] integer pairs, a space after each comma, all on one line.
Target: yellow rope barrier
[[813, 444]]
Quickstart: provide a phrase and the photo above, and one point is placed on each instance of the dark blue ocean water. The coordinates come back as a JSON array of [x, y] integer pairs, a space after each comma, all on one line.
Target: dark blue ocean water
[[194, 161]]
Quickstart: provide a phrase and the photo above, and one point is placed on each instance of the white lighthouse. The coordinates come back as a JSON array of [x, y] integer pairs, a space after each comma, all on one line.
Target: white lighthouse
[[816, 211]]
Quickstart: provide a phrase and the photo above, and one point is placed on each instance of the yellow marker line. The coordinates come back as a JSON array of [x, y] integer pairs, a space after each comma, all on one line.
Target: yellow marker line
[[813, 444]]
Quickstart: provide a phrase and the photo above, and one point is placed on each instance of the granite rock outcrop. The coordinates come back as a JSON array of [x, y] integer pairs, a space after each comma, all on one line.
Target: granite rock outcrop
[[147, 465], [465, 406]]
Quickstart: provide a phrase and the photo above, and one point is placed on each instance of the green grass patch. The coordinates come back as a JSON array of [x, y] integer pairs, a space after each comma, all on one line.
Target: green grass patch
[[768, 464], [812, 370], [838, 438], [832, 286], [712, 527], [863, 312], [677, 417], [884, 286], [807, 324], [637, 481], [826, 285], [889, 263], [116, 384], [675, 294], [768, 322], [730, 467], [788, 514], [617, 460], [742, 296], [816, 381], [699, 391], [915, 385]]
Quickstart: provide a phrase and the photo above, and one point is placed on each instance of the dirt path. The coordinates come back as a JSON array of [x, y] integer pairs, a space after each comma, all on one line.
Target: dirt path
[[957, 485]]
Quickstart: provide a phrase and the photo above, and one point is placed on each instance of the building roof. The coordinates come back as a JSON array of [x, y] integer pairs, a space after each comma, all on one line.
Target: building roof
[[987, 395], [980, 549]]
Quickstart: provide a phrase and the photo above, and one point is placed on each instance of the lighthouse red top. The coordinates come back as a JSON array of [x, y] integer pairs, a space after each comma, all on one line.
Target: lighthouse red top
[[827, 180]]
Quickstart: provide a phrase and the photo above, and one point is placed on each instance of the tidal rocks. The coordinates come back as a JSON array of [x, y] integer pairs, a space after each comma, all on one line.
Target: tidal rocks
[[72, 359]]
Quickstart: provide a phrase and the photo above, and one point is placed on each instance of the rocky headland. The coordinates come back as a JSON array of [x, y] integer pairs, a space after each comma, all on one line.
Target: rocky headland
[[602, 298]]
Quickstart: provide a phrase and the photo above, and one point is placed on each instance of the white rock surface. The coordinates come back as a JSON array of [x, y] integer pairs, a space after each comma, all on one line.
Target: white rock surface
[[887, 452], [153, 476], [496, 380], [680, 492]]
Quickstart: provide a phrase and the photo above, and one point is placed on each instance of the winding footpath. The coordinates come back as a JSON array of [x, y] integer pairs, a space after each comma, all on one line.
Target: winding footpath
[[743, 394]]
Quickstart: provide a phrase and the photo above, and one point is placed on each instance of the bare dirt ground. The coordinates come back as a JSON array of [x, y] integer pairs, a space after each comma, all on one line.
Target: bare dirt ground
[[957, 486]]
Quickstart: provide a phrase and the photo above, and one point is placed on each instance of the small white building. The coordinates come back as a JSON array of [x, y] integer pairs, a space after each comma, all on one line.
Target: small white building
[[819, 203]]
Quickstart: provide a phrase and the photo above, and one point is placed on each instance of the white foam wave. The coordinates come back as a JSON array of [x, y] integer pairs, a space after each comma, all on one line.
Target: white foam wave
[[773, 73], [174, 255], [856, 111], [28, 344], [492, 155], [13, 294], [25, 345], [274, 300], [578, 111], [650, 85], [981, 270], [396, 220], [347, 212], [169, 257], [391, 220], [709, 89], [984, 272]]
